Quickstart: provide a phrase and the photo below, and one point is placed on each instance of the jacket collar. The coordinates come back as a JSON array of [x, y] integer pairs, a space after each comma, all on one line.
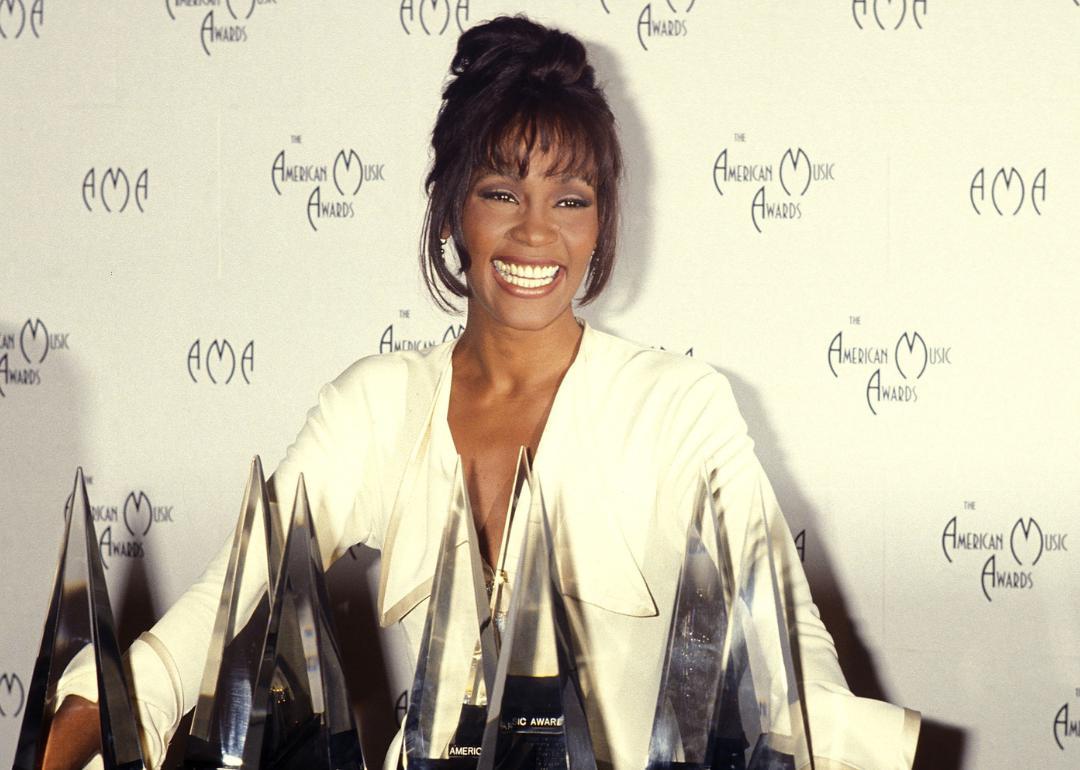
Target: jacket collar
[[594, 563]]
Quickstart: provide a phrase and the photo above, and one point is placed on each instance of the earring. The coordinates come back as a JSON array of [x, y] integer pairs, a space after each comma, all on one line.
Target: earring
[[442, 249]]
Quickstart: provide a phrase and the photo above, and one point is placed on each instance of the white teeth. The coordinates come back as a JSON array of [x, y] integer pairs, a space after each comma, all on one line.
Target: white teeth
[[526, 276]]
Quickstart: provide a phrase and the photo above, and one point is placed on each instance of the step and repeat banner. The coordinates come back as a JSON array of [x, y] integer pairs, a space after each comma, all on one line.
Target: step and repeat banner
[[863, 213]]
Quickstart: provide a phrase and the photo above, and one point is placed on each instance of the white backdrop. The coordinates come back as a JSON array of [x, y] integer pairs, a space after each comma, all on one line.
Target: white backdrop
[[864, 214]]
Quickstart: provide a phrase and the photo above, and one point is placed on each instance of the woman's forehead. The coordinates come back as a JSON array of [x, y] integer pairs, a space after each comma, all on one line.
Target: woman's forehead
[[556, 162], [553, 144]]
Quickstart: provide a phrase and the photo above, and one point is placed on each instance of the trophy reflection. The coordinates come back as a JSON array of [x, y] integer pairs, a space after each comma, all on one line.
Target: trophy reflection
[[684, 733], [729, 698], [536, 715], [80, 622], [301, 715], [219, 725], [273, 691], [444, 724]]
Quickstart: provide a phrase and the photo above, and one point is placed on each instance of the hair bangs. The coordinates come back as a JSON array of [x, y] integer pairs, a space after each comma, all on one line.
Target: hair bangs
[[559, 131]]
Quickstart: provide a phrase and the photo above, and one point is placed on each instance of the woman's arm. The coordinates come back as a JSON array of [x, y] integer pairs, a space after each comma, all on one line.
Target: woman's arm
[[74, 735]]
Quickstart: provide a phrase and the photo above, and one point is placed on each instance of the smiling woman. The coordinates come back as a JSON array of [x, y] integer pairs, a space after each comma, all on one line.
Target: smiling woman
[[525, 183], [520, 93]]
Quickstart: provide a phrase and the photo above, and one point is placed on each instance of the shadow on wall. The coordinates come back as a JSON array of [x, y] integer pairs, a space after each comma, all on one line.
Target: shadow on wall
[[636, 227], [941, 746], [41, 427]]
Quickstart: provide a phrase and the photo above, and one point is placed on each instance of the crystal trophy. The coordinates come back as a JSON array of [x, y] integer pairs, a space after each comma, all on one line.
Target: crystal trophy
[[536, 715], [444, 725], [220, 723], [301, 716], [80, 615], [759, 698], [684, 734]]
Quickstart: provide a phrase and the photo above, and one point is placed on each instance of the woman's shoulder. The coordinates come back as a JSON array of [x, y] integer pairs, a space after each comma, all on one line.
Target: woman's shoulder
[[393, 374], [638, 367]]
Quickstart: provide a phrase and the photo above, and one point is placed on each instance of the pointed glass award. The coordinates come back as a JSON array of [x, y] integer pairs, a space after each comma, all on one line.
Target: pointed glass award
[[80, 615], [455, 669], [220, 722], [684, 728], [759, 683], [301, 716], [500, 585], [536, 714]]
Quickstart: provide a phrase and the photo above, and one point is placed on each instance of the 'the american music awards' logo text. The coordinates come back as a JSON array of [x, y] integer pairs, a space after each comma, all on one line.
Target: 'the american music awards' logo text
[[782, 188], [226, 22], [121, 530], [433, 17], [394, 339], [659, 21], [23, 355], [12, 695], [1016, 552], [894, 372], [333, 186]]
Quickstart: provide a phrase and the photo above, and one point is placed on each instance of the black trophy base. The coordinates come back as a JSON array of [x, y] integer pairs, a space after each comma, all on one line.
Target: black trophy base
[[728, 754], [310, 747], [200, 755], [464, 749], [532, 734]]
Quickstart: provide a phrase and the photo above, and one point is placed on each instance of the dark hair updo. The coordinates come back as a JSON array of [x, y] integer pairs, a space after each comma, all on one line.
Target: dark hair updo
[[517, 86]]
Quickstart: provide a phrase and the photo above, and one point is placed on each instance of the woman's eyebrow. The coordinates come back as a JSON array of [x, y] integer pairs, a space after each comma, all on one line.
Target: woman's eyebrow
[[568, 176]]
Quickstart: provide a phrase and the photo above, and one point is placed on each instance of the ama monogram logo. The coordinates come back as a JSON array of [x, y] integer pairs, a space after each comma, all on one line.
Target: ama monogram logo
[[1015, 551], [218, 362], [1006, 191], [230, 25], [782, 188], [334, 186], [433, 17], [112, 190], [888, 14], [1066, 726], [23, 355], [909, 358], [19, 16]]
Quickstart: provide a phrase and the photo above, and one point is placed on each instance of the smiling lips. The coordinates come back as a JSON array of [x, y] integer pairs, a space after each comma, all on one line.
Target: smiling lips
[[525, 276]]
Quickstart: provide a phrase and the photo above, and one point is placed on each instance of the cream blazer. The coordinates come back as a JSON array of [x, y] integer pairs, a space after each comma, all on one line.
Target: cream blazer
[[619, 463]]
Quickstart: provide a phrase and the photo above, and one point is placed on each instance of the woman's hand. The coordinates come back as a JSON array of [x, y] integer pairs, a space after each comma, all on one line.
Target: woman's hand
[[74, 735]]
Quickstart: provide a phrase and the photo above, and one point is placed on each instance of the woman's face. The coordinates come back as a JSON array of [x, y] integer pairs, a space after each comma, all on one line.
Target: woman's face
[[530, 240]]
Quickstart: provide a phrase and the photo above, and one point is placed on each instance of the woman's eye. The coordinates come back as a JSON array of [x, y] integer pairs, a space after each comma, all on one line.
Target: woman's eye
[[498, 195], [574, 203]]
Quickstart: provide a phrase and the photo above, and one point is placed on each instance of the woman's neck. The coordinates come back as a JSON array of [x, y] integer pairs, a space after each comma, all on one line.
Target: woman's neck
[[507, 360]]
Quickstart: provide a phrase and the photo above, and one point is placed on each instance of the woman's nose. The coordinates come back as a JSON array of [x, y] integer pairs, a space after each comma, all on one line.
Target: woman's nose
[[536, 227]]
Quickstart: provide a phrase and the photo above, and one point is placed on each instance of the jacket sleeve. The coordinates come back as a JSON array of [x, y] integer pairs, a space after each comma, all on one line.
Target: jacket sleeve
[[334, 451], [846, 731]]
